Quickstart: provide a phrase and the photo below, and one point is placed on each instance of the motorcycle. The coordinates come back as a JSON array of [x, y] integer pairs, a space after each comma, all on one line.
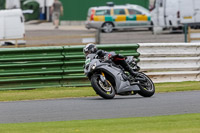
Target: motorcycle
[[109, 79]]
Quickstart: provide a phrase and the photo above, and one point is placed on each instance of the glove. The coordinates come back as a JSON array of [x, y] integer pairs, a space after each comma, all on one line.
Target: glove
[[100, 53]]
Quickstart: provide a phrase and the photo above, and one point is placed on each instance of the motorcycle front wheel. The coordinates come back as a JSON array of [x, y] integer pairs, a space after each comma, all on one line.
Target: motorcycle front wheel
[[147, 88], [106, 91]]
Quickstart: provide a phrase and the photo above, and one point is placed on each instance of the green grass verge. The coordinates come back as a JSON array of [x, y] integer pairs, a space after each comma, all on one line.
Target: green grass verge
[[187, 123], [177, 86], [64, 92]]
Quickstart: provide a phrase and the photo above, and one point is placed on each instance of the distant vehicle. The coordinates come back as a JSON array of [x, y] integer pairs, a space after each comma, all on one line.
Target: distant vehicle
[[174, 13], [112, 17], [12, 26]]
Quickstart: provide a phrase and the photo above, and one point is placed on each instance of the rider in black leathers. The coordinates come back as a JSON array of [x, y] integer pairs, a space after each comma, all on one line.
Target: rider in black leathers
[[116, 58]]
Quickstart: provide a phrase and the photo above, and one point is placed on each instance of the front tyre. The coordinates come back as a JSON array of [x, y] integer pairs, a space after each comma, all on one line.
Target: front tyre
[[105, 91], [147, 88]]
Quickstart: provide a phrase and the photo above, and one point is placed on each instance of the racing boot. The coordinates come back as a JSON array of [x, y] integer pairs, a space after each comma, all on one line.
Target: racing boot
[[132, 73], [126, 67], [118, 59]]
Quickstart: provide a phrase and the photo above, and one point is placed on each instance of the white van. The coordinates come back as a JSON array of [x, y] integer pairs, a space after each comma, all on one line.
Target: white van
[[11, 26], [174, 13]]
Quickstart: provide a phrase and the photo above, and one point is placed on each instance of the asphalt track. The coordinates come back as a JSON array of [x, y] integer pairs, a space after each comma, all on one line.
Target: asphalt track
[[98, 108]]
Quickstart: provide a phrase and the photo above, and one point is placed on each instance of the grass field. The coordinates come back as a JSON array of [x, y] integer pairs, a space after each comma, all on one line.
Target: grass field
[[188, 123], [67, 92]]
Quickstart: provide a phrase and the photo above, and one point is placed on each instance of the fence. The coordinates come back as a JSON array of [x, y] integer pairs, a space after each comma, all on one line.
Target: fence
[[171, 62], [36, 67], [26, 68], [193, 35]]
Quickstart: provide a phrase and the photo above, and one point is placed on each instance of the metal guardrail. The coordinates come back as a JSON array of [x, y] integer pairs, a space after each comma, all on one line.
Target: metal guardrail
[[193, 35], [37, 67], [166, 62], [190, 34]]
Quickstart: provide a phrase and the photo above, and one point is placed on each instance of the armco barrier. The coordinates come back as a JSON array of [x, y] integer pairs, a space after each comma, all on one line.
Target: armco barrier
[[171, 62], [27, 68], [193, 35], [22, 68]]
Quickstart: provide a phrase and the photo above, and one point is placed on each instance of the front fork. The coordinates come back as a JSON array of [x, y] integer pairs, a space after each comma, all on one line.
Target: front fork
[[103, 79]]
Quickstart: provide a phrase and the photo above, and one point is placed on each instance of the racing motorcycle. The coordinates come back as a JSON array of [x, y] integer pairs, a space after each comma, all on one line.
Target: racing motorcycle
[[109, 79]]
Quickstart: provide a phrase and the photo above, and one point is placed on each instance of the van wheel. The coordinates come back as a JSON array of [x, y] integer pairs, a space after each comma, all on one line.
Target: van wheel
[[107, 27]]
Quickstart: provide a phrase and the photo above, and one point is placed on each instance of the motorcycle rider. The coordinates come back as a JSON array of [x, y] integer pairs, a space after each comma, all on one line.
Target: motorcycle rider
[[116, 58]]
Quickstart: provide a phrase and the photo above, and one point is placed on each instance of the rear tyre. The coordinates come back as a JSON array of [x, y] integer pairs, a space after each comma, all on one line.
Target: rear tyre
[[107, 27], [107, 92], [147, 88]]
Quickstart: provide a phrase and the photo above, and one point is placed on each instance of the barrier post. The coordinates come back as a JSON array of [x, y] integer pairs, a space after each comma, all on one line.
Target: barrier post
[[189, 34], [98, 38], [186, 32]]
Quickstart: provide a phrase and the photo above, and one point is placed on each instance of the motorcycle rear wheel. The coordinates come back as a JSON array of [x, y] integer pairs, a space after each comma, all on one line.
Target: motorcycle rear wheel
[[107, 92], [147, 89]]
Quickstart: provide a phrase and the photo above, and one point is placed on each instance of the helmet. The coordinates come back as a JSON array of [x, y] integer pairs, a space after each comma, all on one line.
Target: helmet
[[90, 48]]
